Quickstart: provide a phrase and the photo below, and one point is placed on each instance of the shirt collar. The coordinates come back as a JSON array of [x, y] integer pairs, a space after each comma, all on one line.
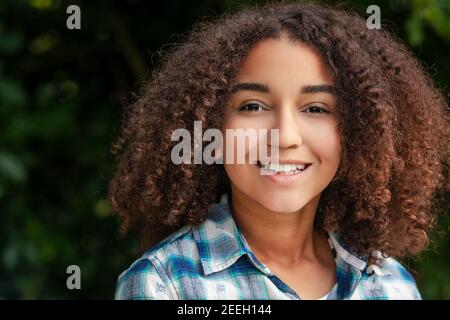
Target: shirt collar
[[220, 244], [218, 239]]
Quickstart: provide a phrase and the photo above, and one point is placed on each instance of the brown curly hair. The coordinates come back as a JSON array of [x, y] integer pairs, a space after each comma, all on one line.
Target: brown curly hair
[[393, 122]]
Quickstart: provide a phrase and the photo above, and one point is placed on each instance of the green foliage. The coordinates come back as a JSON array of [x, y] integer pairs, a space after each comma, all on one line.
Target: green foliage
[[434, 13], [61, 96]]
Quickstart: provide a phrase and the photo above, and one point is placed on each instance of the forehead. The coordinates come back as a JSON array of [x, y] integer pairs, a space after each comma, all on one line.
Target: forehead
[[284, 60]]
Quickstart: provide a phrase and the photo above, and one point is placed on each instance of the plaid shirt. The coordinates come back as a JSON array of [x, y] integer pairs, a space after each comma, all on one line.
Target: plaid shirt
[[213, 261]]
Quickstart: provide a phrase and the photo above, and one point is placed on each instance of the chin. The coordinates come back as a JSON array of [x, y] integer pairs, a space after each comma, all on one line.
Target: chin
[[283, 203]]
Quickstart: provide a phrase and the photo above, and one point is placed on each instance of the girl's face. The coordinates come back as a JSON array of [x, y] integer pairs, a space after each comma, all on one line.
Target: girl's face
[[286, 87]]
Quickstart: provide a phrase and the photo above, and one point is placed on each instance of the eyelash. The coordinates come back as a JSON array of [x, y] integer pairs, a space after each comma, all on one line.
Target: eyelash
[[243, 108]]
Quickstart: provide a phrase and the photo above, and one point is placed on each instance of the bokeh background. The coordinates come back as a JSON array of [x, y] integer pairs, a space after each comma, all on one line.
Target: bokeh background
[[62, 93]]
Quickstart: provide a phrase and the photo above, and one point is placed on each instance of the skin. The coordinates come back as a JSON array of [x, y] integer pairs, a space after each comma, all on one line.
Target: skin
[[277, 220]]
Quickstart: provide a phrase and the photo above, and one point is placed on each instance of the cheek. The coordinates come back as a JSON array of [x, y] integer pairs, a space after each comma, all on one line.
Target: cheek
[[327, 145], [241, 176]]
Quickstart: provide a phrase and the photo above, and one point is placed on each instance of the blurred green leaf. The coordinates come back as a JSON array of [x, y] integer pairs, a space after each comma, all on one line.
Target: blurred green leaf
[[10, 256], [45, 4], [11, 93], [11, 42], [12, 168], [44, 42], [102, 208], [414, 27]]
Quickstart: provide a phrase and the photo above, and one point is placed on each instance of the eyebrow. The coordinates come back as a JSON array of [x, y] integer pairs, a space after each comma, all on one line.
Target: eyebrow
[[245, 86]]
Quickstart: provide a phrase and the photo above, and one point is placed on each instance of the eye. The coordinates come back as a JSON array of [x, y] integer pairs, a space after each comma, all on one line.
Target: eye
[[252, 107], [316, 109]]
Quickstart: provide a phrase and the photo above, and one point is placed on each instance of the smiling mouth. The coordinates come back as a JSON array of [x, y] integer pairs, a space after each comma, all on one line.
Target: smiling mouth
[[283, 169]]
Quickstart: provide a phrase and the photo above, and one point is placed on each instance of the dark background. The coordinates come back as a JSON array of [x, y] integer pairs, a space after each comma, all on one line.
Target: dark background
[[61, 97]]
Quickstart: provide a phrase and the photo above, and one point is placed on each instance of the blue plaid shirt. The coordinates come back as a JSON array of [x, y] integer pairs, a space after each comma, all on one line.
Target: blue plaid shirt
[[213, 261]]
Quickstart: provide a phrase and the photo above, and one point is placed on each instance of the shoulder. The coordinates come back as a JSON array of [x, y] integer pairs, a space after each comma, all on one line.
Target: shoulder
[[150, 276], [397, 282], [141, 281]]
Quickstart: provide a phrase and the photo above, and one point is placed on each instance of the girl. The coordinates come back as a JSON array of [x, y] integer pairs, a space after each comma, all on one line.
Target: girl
[[362, 145]]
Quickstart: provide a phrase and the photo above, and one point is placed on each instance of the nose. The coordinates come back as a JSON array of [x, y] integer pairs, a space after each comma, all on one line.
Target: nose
[[289, 131]]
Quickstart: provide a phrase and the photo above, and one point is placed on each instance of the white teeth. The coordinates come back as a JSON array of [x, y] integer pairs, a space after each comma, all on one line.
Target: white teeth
[[285, 168]]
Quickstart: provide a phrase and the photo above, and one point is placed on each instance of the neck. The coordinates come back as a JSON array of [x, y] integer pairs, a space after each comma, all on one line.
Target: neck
[[285, 238]]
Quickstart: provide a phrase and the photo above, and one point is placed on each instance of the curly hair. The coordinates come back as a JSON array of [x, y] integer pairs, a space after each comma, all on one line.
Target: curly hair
[[393, 122]]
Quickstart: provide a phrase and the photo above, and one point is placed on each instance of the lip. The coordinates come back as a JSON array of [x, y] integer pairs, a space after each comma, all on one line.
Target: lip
[[286, 179]]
